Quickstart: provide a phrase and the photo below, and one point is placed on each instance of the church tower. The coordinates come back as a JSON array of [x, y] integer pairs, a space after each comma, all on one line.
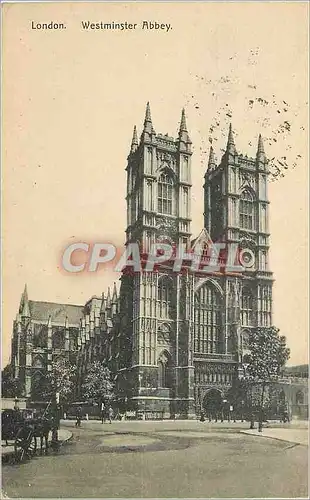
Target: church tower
[[154, 329], [159, 186], [236, 210]]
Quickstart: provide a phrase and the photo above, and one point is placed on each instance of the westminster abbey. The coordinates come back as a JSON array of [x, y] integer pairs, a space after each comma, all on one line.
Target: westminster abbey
[[173, 341]]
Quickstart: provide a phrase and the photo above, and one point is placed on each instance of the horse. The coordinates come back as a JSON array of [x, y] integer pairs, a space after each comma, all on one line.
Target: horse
[[42, 427]]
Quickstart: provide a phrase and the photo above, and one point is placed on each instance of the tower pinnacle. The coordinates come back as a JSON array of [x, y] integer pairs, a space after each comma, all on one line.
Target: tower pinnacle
[[231, 148], [212, 161], [148, 113], [134, 142], [183, 133], [148, 126], [183, 127], [260, 155]]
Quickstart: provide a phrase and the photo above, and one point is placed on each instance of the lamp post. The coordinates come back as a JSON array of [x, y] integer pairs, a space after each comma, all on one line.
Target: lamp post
[[242, 410]]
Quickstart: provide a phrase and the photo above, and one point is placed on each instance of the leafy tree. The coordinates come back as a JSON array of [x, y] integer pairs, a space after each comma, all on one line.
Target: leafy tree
[[265, 360], [61, 379], [11, 387], [97, 385]]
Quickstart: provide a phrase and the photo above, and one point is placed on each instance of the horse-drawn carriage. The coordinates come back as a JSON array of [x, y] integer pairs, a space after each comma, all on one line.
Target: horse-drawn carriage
[[22, 428]]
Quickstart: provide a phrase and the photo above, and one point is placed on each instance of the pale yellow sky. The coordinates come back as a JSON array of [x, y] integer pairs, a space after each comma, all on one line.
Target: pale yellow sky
[[71, 98]]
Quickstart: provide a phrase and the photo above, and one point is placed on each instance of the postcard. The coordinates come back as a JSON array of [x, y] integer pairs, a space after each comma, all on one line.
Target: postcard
[[154, 242]]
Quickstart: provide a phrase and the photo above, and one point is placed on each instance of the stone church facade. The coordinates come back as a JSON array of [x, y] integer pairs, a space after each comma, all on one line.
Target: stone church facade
[[174, 340]]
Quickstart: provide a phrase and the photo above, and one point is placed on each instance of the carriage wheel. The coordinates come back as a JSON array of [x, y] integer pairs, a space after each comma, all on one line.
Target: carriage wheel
[[20, 445], [25, 444], [32, 445]]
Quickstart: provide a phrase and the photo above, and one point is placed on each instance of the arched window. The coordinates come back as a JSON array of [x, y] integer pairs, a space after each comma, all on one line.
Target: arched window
[[300, 398], [165, 193], [246, 210], [164, 370], [58, 338], [207, 320], [38, 386], [163, 335], [165, 297], [161, 374], [245, 340], [40, 336], [247, 303]]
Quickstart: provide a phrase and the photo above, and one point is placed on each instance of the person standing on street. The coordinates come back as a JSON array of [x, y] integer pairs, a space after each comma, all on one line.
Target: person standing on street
[[78, 417], [110, 414], [102, 413]]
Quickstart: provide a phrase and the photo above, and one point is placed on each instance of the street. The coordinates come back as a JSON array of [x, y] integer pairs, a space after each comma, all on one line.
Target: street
[[162, 459]]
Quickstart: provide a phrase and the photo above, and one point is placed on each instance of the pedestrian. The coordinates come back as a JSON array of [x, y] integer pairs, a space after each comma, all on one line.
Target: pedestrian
[[260, 419], [78, 417], [102, 413], [110, 414], [252, 419], [231, 410]]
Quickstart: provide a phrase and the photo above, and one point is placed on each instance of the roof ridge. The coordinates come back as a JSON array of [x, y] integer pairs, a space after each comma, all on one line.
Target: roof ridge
[[55, 303]]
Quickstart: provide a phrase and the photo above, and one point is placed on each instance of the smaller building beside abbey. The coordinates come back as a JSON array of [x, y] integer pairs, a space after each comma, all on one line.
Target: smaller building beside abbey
[[173, 341]]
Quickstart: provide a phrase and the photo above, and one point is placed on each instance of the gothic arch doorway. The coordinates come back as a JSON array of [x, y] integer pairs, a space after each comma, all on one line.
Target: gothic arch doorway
[[212, 402]]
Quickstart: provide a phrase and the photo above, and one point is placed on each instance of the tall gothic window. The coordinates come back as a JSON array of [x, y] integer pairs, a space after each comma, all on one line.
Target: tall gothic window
[[246, 210], [58, 338], [247, 305], [164, 370], [207, 320], [165, 297], [40, 336], [165, 193], [265, 306]]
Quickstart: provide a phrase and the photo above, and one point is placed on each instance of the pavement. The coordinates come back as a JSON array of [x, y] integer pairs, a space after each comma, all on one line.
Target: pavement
[[295, 431], [63, 436], [293, 435], [164, 460]]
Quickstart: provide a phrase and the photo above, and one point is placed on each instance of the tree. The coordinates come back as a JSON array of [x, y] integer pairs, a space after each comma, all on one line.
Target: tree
[[265, 360], [11, 387], [60, 379], [97, 385]]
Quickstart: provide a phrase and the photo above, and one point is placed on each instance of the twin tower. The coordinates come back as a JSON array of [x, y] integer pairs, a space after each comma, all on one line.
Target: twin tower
[[159, 189], [183, 337]]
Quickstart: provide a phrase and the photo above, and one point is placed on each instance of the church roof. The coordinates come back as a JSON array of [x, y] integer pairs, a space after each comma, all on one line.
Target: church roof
[[41, 311]]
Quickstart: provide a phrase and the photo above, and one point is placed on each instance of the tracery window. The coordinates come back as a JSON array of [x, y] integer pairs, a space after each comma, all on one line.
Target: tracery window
[[207, 320], [247, 306], [246, 210], [165, 297], [165, 194], [164, 370], [58, 338], [40, 336]]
